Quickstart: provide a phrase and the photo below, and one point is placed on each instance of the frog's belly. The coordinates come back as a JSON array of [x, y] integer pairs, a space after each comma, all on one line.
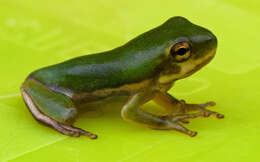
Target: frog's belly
[[107, 102], [110, 94]]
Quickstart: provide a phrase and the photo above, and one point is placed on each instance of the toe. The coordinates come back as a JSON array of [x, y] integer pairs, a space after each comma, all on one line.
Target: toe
[[78, 132], [206, 113], [211, 103], [93, 136], [185, 121], [220, 116], [192, 133]]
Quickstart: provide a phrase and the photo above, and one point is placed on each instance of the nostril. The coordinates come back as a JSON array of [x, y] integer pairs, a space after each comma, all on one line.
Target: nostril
[[213, 40]]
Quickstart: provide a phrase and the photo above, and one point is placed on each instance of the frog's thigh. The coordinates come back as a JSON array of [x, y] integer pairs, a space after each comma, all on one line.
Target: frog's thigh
[[51, 108], [55, 105]]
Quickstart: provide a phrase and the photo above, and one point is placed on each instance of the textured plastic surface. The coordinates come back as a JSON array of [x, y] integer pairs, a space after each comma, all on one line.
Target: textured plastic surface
[[34, 34]]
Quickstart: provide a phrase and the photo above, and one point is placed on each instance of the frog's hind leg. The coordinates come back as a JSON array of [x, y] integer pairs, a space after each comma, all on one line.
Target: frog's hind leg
[[51, 108]]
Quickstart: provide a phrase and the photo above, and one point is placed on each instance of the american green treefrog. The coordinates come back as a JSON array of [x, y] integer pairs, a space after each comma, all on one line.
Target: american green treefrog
[[141, 70]]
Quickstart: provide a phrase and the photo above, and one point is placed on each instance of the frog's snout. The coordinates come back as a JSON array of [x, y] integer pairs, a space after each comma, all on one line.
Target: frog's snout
[[204, 45], [212, 41], [209, 41]]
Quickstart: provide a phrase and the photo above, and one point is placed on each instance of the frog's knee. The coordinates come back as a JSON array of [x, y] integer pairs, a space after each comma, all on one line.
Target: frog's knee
[[69, 116]]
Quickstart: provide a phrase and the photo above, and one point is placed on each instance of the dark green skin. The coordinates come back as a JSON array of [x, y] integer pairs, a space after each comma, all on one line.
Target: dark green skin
[[138, 60]]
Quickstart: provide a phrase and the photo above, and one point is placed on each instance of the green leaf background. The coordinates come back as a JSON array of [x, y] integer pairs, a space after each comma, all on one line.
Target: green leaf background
[[34, 34]]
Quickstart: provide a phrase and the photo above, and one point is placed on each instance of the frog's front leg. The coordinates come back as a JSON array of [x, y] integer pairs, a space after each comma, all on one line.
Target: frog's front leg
[[132, 112], [180, 107], [52, 108]]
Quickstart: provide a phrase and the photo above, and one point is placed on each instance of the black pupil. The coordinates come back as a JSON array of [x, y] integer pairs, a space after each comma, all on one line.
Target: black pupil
[[182, 51]]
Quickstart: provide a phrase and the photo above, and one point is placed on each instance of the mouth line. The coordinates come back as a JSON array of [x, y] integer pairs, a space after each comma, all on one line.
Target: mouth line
[[203, 63], [182, 73]]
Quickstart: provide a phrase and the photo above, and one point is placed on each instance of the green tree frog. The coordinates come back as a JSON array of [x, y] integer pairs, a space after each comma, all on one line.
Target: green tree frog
[[141, 70]]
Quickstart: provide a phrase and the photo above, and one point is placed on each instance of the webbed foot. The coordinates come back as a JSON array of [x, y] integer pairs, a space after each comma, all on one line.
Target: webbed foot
[[202, 108]]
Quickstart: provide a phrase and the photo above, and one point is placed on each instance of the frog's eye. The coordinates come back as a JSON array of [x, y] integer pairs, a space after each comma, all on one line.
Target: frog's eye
[[180, 51]]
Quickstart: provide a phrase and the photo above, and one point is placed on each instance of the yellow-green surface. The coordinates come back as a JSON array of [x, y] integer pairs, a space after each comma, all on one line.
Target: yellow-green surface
[[39, 33]]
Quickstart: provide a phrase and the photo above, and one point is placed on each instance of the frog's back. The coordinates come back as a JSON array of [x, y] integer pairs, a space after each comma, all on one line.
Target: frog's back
[[88, 73], [136, 61]]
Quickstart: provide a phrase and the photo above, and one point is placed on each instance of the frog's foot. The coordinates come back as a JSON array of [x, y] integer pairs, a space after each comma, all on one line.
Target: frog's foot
[[202, 108], [175, 120], [175, 124], [72, 131]]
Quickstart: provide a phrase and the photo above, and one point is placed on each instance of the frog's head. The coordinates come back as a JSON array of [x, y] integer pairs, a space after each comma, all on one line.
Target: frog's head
[[187, 48]]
